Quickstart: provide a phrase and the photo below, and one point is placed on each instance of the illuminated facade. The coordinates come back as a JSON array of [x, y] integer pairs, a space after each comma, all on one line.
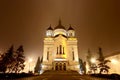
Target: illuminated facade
[[60, 49]]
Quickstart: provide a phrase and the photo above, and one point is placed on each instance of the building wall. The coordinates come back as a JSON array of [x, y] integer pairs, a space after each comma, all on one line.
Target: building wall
[[70, 48], [60, 49], [114, 64]]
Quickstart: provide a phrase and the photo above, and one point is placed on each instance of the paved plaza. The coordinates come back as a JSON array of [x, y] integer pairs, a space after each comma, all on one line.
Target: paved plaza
[[62, 75]]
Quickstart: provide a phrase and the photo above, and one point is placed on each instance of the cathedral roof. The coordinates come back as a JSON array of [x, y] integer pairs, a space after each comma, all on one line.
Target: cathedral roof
[[62, 35], [59, 26], [50, 28], [70, 28]]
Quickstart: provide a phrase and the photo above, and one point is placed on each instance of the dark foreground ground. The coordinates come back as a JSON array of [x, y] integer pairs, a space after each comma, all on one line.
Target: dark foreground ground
[[58, 75]]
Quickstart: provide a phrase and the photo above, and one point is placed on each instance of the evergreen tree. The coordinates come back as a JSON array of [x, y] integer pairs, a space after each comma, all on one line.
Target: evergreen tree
[[101, 57], [92, 66], [88, 57], [3, 67], [12, 61], [20, 59], [38, 66], [103, 62], [7, 60], [41, 59], [82, 66]]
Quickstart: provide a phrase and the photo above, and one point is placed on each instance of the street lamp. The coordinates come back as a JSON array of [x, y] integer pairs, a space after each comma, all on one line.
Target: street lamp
[[30, 60], [93, 60]]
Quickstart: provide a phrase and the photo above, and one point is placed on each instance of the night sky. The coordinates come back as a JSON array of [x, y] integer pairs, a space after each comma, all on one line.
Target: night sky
[[96, 22]]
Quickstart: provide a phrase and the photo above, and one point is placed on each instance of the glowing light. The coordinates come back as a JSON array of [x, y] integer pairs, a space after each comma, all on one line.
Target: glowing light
[[72, 39], [43, 66], [87, 67], [24, 63], [59, 31], [64, 56], [60, 59], [114, 61], [93, 60], [41, 71], [30, 60]]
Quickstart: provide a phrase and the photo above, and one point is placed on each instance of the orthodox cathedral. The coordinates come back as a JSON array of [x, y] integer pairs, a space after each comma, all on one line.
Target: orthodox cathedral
[[60, 49]]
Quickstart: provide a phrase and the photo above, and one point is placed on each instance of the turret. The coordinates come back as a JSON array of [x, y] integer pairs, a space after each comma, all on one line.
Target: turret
[[49, 32], [71, 32]]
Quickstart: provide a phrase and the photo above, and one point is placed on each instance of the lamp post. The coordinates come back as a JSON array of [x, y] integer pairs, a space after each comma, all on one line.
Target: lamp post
[[30, 60]]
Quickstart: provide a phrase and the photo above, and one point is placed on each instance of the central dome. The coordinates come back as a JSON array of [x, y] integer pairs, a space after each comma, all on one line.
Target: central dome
[[60, 30]]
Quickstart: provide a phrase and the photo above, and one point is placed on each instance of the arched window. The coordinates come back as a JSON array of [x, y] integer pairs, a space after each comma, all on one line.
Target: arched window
[[47, 55], [71, 34], [73, 55]]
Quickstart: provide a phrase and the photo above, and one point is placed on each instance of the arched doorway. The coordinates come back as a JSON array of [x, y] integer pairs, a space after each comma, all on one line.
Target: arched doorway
[[64, 67], [60, 66], [56, 66]]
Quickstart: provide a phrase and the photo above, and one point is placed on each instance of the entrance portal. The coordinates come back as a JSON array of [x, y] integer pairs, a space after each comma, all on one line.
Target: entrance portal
[[60, 66]]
